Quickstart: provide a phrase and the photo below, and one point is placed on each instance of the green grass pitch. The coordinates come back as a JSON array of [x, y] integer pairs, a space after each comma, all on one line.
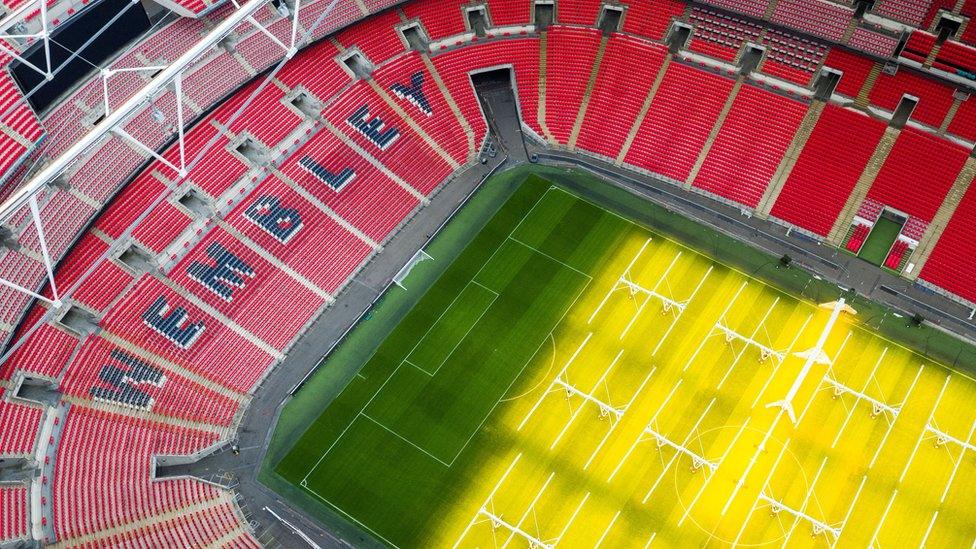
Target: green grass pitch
[[421, 401], [446, 421]]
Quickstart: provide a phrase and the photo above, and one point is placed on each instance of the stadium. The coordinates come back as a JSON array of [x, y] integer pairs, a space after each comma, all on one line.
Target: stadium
[[487, 273]]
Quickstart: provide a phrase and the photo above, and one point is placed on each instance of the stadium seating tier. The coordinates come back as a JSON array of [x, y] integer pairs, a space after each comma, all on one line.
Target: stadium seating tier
[[296, 232]]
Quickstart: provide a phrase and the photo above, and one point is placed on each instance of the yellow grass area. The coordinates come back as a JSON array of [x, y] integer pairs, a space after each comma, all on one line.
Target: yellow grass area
[[646, 425]]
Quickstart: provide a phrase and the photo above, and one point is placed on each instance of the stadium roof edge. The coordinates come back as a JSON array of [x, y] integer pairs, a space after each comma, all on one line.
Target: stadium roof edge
[[22, 196]]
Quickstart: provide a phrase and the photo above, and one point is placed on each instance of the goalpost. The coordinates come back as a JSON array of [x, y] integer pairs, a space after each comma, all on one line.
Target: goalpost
[[403, 273]]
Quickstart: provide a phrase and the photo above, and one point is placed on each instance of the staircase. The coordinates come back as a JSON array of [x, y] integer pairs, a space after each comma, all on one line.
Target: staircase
[[864, 183], [930, 58], [589, 93], [789, 159], [104, 536], [462, 121], [950, 115], [433, 144], [543, 54], [862, 100], [327, 210], [639, 121], [934, 231], [700, 161]]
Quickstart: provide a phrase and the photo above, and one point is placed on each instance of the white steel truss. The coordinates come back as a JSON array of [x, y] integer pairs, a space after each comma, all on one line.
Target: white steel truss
[[607, 410], [819, 526], [651, 293], [518, 529], [765, 351], [17, 18], [813, 356], [168, 78], [121, 115], [515, 529], [498, 522], [697, 460], [943, 438], [642, 295], [613, 425], [562, 372], [48, 264], [877, 406], [625, 281]]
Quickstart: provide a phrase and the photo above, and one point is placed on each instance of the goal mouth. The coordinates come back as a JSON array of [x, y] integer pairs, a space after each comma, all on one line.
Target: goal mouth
[[417, 259]]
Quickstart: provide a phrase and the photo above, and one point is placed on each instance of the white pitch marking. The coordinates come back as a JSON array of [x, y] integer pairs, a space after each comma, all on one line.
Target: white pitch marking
[[463, 337], [395, 370], [613, 425], [850, 508], [892, 426], [709, 479], [572, 418], [674, 457], [789, 352], [437, 321], [643, 304], [491, 494], [955, 468], [752, 462], [681, 312], [353, 420], [561, 372], [918, 443], [806, 501], [928, 530], [549, 257], [529, 509], [874, 536], [745, 523], [404, 439], [638, 440], [572, 518], [704, 340], [607, 296], [599, 542], [738, 356], [850, 413]]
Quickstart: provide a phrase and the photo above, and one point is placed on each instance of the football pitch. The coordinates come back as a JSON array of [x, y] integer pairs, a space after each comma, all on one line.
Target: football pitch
[[575, 380]]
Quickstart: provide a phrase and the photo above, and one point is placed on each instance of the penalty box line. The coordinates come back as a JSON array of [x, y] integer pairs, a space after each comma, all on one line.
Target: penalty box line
[[501, 398], [477, 321], [395, 370], [348, 516]]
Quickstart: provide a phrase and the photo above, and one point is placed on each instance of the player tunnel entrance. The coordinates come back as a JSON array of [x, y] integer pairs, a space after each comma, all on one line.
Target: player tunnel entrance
[[497, 93]]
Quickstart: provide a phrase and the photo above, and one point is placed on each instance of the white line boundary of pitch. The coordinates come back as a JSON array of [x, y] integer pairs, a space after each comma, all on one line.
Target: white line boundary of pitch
[[393, 373], [471, 282]]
